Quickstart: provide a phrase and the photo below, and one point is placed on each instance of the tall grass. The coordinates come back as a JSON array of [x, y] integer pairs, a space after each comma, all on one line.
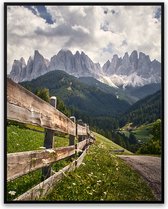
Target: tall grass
[[102, 176]]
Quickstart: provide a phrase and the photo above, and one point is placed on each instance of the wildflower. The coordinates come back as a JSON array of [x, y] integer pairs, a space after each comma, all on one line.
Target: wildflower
[[116, 163], [99, 181], [78, 176], [14, 133], [42, 147], [90, 174], [12, 192], [74, 184], [105, 193], [17, 144], [117, 169], [83, 163]]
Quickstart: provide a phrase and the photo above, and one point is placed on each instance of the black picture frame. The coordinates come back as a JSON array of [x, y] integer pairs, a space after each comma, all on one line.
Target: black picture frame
[[6, 4]]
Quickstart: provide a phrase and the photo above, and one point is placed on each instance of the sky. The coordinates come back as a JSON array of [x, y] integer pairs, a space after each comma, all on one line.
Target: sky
[[99, 31]]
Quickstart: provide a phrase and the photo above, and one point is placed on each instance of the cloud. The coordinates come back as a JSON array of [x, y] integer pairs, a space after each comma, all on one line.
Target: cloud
[[136, 25], [80, 28], [41, 12], [100, 31]]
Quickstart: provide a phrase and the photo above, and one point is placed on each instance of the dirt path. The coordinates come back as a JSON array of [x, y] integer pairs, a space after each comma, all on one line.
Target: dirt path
[[149, 168]]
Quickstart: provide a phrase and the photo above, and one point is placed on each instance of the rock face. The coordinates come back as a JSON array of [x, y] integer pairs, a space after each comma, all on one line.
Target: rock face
[[79, 65], [133, 70], [35, 67], [18, 71]]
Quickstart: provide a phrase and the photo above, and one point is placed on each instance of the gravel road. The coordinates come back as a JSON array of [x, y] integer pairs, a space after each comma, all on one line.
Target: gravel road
[[149, 168]]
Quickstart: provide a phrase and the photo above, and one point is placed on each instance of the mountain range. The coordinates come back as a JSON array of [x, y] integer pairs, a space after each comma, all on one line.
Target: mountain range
[[98, 104], [134, 70], [83, 98]]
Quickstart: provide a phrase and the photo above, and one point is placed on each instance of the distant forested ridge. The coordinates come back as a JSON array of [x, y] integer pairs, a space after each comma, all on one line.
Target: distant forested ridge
[[97, 106], [78, 96], [146, 110]]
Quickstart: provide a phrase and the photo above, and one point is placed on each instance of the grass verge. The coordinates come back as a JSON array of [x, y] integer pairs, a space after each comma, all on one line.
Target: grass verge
[[102, 177]]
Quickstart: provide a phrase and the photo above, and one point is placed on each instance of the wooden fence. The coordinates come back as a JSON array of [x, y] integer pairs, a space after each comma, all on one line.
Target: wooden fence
[[25, 107]]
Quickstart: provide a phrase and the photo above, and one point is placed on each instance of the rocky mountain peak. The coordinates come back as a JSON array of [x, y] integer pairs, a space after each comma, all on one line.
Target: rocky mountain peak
[[126, 56], [134, 59], [134, 55], [36, 53], [83, 54], [120, 71], [22, 60], [142, 55], [133, 70], [77, 53]]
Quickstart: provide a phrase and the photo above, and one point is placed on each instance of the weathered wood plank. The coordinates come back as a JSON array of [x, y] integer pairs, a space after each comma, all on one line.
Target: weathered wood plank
[[21, 163], [44, 187], [23, 106], [80, 159], [81, 145], [81, 130], [92, 135]]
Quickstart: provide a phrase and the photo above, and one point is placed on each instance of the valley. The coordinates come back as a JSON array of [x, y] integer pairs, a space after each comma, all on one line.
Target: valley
[[105, 108], [84, 102]]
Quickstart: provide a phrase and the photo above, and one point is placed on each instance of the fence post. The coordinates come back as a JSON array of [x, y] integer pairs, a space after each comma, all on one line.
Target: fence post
[[49, 142], [71, 137], [80, 137]]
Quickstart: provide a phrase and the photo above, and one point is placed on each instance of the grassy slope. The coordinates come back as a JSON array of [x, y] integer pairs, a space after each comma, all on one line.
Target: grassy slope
[[142, 132], [21, 139], [102, 176]]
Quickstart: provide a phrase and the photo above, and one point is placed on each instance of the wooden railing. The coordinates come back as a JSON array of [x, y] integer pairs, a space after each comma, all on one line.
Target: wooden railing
[[25, 107]]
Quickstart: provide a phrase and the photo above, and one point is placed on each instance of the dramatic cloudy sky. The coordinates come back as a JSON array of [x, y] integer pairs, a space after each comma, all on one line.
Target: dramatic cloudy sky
[[99, 31]]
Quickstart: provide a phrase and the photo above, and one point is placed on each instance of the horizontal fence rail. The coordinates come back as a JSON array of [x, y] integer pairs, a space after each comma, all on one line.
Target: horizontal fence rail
[[81, 145], [46, 186], [25, 107], [21, 163]]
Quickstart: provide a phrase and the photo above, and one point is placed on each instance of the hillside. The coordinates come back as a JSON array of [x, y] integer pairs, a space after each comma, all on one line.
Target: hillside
[[79, 96], [129, 93], [117, 92], [102, 175], [143, 91], [145, 110]]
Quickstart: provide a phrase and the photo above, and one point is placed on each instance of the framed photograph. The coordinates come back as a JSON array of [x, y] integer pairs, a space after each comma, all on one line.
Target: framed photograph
[[84, 102]]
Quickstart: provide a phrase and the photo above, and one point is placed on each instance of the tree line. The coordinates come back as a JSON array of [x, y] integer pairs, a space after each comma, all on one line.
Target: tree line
[[108, 126]]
